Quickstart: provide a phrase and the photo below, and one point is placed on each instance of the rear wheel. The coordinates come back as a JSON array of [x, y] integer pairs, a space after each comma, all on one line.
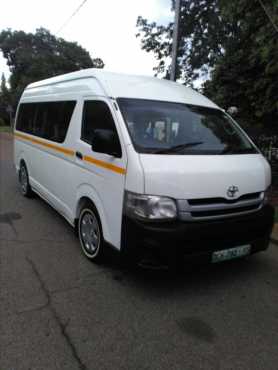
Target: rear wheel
[[25, 187], [90, 234]]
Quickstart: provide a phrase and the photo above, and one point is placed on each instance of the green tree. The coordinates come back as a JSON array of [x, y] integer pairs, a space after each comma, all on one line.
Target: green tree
[[233, 44], [32, 57], [246, 75], [4, 101], [201, 36]]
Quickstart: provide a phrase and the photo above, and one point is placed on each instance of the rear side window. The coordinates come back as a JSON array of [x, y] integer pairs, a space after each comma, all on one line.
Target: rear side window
[[49, 120], [96, 115], [25, 119]]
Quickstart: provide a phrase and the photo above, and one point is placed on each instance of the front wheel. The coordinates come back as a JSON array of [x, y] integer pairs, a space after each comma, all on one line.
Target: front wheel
[[90, 234]]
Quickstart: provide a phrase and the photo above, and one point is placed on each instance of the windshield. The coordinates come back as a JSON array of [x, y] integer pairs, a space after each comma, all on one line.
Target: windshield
[[173, 128]]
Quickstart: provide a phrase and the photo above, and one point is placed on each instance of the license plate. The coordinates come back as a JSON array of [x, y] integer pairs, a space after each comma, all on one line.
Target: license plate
[[229, 254]]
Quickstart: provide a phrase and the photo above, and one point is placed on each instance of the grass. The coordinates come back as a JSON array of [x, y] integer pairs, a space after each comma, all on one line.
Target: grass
[[5, 129]]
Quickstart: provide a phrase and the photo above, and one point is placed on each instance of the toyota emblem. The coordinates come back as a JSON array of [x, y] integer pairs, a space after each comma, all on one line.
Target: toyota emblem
[[232, 190]]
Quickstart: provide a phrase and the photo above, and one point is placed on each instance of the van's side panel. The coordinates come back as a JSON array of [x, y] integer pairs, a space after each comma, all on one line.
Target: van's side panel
[[50, 164], [60, 177]]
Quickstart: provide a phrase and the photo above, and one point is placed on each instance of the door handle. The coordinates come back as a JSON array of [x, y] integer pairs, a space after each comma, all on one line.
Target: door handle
[[79, 155]]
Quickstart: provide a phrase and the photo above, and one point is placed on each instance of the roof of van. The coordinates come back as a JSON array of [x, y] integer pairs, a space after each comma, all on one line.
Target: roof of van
[[118, 85]]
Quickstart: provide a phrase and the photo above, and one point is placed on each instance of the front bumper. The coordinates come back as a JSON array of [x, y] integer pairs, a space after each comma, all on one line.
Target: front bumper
[[197, 240]]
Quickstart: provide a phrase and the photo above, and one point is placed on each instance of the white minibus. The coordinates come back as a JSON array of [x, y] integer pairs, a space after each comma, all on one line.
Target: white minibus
[[143, 165]]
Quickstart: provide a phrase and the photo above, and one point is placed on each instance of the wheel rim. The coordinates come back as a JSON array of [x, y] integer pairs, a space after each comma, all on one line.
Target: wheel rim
[[90, 233], [23, 179]]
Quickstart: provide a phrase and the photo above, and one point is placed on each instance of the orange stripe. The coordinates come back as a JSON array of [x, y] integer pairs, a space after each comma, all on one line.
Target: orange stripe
[[106, 165], [47, 145], [70, 152]]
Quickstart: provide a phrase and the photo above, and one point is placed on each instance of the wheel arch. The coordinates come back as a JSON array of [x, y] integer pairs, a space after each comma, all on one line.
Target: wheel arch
[[85, 194], [21, 159]]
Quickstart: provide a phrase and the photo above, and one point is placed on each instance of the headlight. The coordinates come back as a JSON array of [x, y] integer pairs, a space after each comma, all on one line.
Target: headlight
[[267, 196], [149, 207]]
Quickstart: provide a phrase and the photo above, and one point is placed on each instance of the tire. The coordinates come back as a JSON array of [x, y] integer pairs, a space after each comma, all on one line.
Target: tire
[[25, 187], [90, 234]]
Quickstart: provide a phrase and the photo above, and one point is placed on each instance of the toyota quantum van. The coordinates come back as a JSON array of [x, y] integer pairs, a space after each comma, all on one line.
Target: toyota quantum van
[[143, 164]]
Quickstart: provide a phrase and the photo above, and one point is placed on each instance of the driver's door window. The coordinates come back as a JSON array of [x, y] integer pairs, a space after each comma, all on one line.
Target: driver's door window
[[96, 115]]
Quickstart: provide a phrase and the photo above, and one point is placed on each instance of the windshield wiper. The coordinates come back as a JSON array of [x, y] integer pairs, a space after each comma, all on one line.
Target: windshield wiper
[[177, 148], [232, 150]]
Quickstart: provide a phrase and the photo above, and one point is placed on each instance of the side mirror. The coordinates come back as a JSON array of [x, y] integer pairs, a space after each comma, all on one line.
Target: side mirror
[[106, 141]]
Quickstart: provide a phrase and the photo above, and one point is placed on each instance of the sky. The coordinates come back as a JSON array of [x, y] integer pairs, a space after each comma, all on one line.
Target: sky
[[106, 28]]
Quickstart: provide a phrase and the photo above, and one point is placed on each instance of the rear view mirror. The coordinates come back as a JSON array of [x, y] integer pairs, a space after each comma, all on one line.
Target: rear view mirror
[[106, 141]]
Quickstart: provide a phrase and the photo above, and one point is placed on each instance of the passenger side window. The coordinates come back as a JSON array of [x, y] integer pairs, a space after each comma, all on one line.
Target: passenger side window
[[96, 115], [49, 120], [53, 119], [25, 119]]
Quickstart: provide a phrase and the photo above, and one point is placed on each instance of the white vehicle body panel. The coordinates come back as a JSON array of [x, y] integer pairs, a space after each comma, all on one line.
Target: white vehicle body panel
[[119, 85], [204, 176]]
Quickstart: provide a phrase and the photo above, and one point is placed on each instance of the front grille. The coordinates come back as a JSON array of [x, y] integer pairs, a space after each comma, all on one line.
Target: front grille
[[217, 208], [196, 202]]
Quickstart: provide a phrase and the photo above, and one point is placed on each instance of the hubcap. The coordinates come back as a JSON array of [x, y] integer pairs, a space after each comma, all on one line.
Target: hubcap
[[90, 234], [23, 179]]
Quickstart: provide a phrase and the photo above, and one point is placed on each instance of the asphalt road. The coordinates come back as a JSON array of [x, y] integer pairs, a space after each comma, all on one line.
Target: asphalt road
[[59, 311]]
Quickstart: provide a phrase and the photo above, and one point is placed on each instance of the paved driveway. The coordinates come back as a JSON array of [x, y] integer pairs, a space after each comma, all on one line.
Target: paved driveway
[[59, 311]]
